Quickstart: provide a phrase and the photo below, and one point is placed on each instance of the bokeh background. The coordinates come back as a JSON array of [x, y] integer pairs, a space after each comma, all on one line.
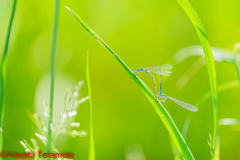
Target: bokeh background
[[141, 32]]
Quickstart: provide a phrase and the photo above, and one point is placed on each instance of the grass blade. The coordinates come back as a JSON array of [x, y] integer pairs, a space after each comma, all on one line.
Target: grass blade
[[52, 74], [206, 96], [176, 154], [236, 47], [209, 61], [221, 88], [91, 144], [191, 72], [219, 54], [159, 108], [3, 71]]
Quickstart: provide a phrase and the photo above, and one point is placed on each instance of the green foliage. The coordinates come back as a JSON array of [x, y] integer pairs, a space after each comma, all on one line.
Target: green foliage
[[142, 33], [205, 97], [63, 125], [4, 70], [236, 56], [91, 142], [52, 73], [219, 54], [159, 108], [209, 61]]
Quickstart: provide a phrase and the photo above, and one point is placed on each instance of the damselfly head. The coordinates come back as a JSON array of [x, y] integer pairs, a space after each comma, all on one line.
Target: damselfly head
[[137, 72]]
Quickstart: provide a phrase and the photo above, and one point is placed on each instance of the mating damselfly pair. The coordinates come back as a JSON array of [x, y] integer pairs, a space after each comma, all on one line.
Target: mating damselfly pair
[[164, 70]]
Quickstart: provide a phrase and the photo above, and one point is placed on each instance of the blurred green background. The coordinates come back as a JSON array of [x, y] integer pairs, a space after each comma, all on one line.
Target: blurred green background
[[141, 32]]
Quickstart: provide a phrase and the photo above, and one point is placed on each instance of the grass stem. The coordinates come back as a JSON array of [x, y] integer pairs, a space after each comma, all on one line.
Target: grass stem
[[52, 74], [91, 143], [236, 47], [4, 70], [192, 14]]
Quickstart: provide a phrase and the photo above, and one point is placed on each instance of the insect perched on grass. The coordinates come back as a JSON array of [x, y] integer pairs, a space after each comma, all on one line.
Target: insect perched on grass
[[161, 70], [164, 70]]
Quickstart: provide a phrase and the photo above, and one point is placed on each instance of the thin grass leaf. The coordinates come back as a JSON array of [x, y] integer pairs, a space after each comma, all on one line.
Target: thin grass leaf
[[209, 61], [4, 70], [52, 73], [219, 54], [176, 154], [159, 108], [191, 72], [236, 47], [222, 87], [217, 149], [91, 143], [36, 121], [205, 97]]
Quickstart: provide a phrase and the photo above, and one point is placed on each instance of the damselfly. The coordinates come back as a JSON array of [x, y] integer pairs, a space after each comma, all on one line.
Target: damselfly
[[161, 70], [164, 70]]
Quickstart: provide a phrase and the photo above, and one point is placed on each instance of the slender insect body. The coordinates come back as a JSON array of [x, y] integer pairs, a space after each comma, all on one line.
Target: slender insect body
[[164, 70], [162, 97]]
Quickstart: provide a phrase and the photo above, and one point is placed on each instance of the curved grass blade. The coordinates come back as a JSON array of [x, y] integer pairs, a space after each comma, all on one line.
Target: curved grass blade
[[221, 88], [91, 144], [191, 72], [236, 47], [3, 71], [184, 104], [176, 154], [52, 74], [219, 54], [217, 149], [209, 61], [159, 108]]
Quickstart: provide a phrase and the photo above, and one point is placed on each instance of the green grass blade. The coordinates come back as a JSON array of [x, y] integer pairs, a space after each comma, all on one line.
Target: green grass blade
[[236, 47], [209, 61], [219, 54], [176, 154], [52, 74], [159, 108], [91, 144], [217, 149], [221, 88], [205, 97], [3, 71]]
